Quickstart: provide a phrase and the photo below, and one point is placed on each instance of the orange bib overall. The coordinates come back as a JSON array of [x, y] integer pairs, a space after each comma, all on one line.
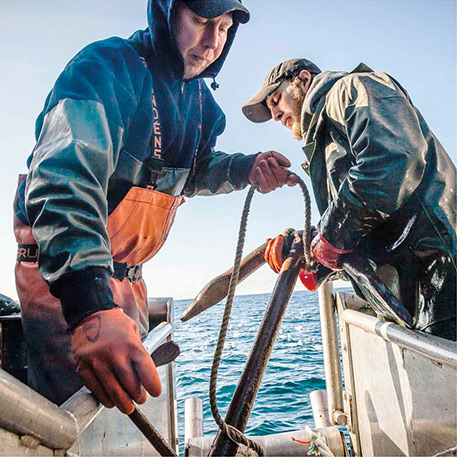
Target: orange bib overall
[[137, 228]]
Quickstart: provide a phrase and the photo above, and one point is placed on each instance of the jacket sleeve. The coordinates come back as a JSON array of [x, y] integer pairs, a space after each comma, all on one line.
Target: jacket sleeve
[[389, 152], [80, 137], [220, 173], [216, 172]]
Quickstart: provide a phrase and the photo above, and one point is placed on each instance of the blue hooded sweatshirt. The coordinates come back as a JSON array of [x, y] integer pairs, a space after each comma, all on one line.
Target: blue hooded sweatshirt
[[95, 138]]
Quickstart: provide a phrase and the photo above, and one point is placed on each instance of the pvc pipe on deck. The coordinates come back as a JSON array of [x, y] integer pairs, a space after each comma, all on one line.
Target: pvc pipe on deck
[[193, 419], [319, 405], [287, 444]]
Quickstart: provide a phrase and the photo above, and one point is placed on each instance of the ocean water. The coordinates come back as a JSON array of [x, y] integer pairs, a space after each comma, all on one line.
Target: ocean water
[[295, 369]]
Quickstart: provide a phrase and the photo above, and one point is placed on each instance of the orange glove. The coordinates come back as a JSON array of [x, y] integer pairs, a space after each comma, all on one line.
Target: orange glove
[[112, 361], [275, 254], [278, 248]]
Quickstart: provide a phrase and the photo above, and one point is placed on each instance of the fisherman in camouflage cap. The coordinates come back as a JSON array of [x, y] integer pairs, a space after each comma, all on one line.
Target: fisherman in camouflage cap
[[384, 185]]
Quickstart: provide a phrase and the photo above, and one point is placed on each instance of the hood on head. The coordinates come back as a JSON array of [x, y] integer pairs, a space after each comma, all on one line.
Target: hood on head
[[319, 88], [163, 44]]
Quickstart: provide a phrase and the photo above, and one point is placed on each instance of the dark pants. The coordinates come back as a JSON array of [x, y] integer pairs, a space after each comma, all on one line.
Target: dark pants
[[427, 289]]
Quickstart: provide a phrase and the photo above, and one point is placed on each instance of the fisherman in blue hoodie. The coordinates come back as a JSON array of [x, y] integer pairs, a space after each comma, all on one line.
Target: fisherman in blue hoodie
[[128, 130]]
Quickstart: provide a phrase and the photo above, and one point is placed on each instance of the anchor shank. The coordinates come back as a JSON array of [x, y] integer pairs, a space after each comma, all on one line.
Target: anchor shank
[[217, 289], [243, 399]]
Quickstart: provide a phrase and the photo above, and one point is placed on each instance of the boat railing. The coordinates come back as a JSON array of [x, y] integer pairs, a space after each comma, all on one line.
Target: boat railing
[[436, 349], [25, 412], [399, 384], [84, 407], [331, 353]]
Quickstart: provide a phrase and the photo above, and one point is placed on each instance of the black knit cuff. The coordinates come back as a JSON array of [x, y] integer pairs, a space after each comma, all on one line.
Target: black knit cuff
[[83, 293], [240, 169]]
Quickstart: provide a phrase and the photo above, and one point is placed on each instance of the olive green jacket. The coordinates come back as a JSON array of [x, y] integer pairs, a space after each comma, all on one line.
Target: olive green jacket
[[382, 181]]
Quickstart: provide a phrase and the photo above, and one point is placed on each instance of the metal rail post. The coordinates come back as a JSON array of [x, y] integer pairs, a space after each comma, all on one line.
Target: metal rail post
[[331, 354]]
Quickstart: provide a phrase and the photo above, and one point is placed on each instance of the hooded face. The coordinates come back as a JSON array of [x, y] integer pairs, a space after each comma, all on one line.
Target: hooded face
[[200, 40], [160, 39]]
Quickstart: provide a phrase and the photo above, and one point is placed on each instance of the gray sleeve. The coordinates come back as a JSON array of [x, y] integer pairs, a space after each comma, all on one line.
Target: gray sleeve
[[217, 172], [66, 203]]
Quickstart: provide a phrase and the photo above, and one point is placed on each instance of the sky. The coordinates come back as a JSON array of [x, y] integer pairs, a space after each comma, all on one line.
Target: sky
[[412, 40]]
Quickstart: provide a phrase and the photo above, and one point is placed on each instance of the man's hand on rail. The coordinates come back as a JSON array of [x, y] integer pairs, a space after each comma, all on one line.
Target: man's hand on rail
[[112, 361]]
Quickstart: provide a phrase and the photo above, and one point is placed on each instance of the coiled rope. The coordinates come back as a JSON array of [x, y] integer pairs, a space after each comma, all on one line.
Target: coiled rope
[[231, 432]]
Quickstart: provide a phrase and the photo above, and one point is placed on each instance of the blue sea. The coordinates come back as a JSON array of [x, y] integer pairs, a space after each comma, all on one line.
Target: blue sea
[[295, 369]]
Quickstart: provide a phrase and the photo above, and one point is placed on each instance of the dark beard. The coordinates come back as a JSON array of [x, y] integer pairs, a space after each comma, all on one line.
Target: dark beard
[[298, 96]]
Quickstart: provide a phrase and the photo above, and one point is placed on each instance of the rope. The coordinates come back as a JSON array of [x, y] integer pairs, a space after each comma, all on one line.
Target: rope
[[310, 264], [231, 432], [450, 451], [318, 445], [234, 434]]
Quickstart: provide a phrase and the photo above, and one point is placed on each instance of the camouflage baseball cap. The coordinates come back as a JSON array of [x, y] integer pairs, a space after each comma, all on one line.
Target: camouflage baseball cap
[[256, 109], [214, 8]]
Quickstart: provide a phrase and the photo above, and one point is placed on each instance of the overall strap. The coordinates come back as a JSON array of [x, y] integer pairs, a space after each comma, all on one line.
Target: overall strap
[[156, 162], [194, 160]]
